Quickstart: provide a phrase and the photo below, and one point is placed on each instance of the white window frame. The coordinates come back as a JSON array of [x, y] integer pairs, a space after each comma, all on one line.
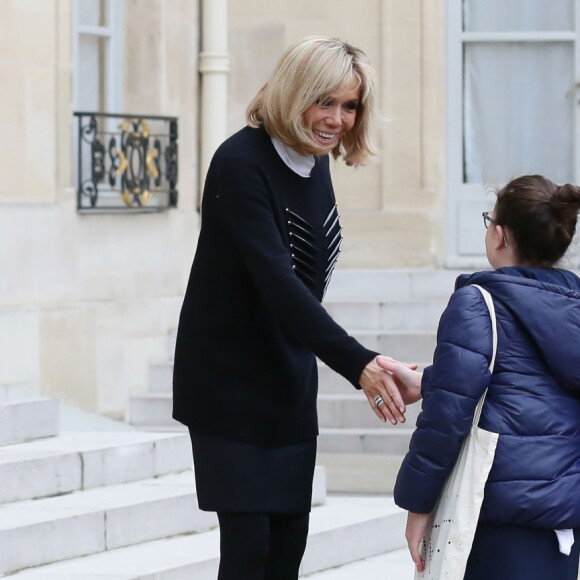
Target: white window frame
[[457, 189], [113, 65]]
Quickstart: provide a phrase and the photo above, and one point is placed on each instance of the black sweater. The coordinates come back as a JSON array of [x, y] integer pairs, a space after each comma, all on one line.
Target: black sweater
[[252, 322]]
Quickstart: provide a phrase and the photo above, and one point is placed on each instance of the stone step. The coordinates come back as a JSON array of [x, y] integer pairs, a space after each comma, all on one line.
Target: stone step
[[399, 315], [99, 520], [171, 343], [407, 346], [390, 285], [161, 377], [174, 427], [93, 521], [360, 474], [353, 411], [78, 461], [412, 299], [344, 530], [384, 440], [330, 382], [350, 410], [152, 410], [28, 419], [347, 529], [410, 315], [398, 563], [412, 346]]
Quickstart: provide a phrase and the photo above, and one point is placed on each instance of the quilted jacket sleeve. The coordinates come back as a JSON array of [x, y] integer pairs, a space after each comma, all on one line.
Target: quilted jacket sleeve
[[451, 388]]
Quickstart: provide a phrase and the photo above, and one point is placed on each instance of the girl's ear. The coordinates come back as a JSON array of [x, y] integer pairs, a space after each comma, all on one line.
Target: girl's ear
[[501, 240]]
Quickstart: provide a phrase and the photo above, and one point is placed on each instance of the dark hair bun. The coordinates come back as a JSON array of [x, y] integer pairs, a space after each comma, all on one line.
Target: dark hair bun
[[567, 194], [541, 215]]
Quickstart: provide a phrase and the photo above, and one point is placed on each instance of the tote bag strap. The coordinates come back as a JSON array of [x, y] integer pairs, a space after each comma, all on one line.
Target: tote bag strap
[[489, 302]]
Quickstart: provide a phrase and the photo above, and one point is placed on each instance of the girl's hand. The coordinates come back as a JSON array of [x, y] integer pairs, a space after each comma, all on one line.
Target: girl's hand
[[415, 532], [407, 379]]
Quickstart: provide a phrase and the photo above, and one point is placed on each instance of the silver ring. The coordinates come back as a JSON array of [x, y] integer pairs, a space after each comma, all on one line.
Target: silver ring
[[378, 400]]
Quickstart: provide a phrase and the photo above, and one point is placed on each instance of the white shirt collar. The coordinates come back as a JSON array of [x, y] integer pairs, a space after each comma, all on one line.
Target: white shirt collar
[[300, 164]]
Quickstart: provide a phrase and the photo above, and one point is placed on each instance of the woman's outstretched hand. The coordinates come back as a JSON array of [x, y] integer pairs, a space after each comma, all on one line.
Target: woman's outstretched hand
[[407, 379], [382, 393]]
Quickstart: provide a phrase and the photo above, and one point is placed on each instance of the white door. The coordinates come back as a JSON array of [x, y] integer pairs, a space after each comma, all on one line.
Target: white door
[[513, 72]]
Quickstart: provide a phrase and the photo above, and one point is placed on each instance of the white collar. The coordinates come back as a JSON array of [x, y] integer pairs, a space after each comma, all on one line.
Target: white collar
[[300, 164]]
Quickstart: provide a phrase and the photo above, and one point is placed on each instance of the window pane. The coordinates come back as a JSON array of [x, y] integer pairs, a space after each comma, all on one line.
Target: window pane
[[518, 111], [517, 15], [92, 12], [91, 72]]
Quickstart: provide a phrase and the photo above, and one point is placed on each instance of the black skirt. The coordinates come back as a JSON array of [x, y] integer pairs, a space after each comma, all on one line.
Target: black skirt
[[233, 476]]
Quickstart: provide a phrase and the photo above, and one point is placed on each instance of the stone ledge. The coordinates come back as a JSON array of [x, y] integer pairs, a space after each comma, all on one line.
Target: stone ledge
[[28, 419]]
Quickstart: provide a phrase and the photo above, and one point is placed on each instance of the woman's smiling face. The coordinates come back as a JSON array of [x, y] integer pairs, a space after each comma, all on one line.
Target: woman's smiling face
[[330, 119]]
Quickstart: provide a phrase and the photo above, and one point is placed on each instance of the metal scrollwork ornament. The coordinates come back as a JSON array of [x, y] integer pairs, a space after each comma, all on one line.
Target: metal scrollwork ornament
[[134, 159]]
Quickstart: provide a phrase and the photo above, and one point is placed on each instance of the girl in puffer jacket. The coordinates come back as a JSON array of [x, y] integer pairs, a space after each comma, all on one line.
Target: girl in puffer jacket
[[529, 526]]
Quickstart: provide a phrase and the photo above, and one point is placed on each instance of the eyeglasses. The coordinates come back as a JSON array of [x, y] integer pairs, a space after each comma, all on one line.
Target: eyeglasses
[[487, 219]]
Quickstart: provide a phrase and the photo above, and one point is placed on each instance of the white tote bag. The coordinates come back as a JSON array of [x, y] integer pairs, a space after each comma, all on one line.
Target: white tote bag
[[449, 537]]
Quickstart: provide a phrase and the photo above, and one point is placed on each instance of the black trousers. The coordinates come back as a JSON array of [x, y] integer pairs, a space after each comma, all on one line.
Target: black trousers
[[257, 546]]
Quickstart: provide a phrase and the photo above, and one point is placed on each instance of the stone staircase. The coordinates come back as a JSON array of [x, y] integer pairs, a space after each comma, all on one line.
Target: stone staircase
[[121, 505], [394, 312]]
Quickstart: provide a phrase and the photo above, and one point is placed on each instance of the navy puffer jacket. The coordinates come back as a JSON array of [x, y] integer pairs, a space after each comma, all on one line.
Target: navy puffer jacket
[[533, 400]]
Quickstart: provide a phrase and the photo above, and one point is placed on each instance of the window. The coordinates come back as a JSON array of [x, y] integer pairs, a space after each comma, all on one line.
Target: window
[[97, 65], [98, 55], [513, 68]]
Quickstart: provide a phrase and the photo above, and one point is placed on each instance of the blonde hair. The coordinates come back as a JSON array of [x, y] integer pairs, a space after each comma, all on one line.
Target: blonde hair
[[312, 70]]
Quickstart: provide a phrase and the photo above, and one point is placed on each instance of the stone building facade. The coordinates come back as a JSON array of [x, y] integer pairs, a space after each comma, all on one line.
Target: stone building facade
[[87, 298]]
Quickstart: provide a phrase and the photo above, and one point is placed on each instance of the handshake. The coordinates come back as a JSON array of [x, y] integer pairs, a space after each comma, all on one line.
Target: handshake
[[389, 386]]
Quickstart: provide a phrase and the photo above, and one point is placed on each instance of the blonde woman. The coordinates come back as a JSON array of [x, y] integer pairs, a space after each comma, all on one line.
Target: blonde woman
[[252, 323]]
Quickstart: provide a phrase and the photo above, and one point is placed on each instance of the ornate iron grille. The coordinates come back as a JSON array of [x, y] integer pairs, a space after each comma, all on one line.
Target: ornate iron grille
[[126, 162]]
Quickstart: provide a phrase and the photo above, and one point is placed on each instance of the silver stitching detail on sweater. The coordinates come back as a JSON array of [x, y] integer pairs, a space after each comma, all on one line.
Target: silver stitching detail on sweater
[[333, 231], [302, 251]]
